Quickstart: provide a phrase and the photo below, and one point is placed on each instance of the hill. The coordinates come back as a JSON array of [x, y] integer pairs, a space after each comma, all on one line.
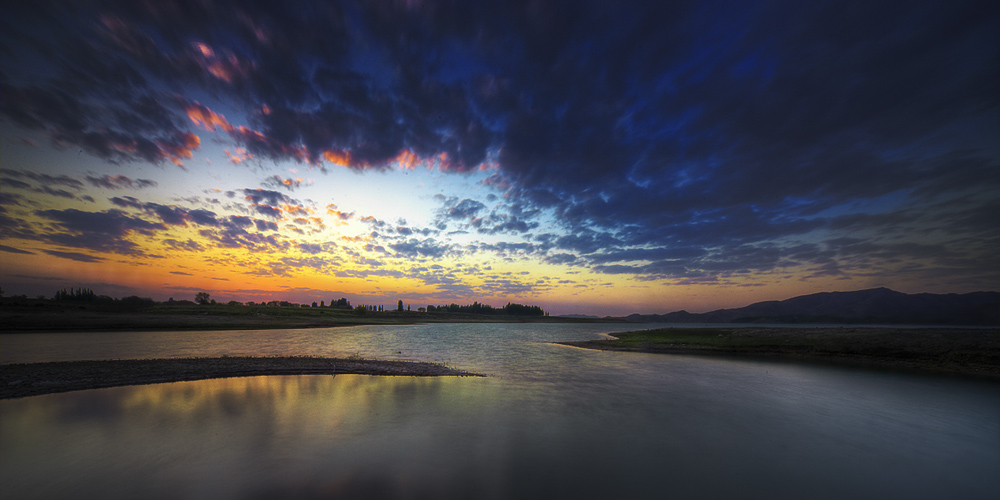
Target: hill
[[877, 305]]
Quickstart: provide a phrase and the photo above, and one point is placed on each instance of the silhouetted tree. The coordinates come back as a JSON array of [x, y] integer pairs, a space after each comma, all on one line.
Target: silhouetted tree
[[202, 298], [341, 303], [78, 294], [134, 301], [477, 308], [400, 306]]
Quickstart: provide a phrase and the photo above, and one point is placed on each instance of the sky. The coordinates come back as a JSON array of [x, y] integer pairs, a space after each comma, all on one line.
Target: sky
[[588, 157]]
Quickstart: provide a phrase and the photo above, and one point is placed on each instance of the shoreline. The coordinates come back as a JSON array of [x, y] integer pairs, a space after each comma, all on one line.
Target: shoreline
[[941, 351], [35, 379], [60, 318]]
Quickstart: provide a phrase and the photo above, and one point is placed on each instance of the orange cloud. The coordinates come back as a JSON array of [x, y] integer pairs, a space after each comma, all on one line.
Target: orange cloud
[[295, 209], [222, 67], [342, 217], [204, 49], [184, 150], [208, 119], [359, 238], [407, 159], [342, 158], [239, 156]]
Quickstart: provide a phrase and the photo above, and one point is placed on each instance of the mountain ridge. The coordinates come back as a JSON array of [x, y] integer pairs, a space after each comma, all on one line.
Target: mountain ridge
[[874, 305]]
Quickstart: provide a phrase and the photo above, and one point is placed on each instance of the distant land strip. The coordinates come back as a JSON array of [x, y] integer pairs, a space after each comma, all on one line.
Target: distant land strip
[[33, 379], [55, 316], [957, 351]]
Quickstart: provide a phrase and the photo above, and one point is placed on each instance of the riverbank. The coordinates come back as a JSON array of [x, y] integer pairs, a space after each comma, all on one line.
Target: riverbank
[[33, 379], [55, 316], [958, 351]]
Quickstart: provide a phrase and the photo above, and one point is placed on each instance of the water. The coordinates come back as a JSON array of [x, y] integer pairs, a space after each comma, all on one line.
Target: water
[[550, 422]]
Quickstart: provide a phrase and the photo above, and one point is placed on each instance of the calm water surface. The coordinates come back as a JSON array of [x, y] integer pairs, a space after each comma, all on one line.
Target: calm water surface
[[550, 422]]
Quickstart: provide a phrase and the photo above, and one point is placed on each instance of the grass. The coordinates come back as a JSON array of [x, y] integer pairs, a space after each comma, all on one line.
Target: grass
[[951, 350], [49, 316]]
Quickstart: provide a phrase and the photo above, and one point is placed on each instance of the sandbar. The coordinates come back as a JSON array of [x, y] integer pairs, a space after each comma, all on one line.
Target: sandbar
[[33, 379]]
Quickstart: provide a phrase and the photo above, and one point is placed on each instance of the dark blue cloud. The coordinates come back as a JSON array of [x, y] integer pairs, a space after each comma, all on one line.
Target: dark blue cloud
[[107, 231], [5, 248], [265, 225], [690, 138], [265, 196], [79, 257], [187, 246], [465, 209], [113, 223], [414, 248], [119, 182], [171, 215]]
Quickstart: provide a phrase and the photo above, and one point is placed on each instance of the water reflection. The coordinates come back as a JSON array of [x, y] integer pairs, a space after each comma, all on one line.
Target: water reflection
[[553, 422], [224, 438]]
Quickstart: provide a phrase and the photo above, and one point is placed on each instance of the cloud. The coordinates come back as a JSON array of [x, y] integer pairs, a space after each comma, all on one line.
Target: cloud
[[316, 248], [47, 180], [79, 257], [561, 259], [11, 179], [232, 233], [707, 126], [5, 248], [100, 123], [186, 246], [171, 215], [207, 119], [258, 196], [113, 223], [265, 225], [119, 182], [106, 231], [465, 209], [414, 248], [268, 211], [276, 181], [343, 217]]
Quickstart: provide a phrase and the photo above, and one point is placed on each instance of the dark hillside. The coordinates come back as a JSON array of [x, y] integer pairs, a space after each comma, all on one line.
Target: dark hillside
[[877, 305]]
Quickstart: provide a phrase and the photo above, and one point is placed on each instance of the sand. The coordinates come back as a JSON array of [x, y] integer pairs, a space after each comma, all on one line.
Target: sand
[[33, 379]]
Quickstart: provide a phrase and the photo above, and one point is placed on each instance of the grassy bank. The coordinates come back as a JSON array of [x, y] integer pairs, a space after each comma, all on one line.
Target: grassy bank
[[33, 379], [944, 350], [50, 316]]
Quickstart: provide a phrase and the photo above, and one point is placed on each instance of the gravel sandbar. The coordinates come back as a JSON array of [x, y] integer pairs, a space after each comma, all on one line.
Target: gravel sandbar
[[33, 379]]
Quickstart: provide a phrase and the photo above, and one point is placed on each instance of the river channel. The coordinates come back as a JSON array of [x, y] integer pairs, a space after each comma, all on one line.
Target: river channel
[[549, 421]]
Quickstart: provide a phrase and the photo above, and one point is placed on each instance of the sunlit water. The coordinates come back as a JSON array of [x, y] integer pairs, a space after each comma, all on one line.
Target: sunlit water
[[550, 422]]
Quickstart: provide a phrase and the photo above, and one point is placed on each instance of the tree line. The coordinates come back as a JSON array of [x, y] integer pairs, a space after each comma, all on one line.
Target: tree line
[[511, 309], [82, 294]]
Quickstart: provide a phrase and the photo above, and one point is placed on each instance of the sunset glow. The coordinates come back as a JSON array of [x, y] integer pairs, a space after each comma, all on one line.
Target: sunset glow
[[634, 160]]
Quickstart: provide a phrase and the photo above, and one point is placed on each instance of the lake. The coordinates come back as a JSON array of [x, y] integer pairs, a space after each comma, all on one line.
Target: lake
[[550, 421]]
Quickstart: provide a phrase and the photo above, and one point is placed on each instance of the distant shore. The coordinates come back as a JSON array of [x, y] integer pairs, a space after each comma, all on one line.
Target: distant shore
[[956, 351], [34, 379], [49, 316]]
